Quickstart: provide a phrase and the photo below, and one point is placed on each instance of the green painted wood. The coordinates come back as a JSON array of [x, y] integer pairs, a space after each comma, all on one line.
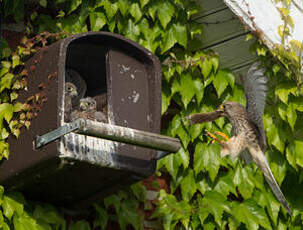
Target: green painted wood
[[209, 7], [219, 27], [234, 53]]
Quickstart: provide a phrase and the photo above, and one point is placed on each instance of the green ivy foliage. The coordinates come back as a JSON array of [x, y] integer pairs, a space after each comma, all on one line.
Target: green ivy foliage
[[206, 191], [16, 213]]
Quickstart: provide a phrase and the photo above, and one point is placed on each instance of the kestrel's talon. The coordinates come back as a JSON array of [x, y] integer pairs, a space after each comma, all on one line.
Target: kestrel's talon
[[222, 135], [213, 137]]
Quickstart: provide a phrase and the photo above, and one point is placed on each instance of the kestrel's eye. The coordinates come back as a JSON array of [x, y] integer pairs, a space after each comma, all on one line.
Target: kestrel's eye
[[222, 107]]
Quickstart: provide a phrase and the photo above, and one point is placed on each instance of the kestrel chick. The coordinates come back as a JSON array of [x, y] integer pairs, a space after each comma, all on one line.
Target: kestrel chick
[[247, 127], [88, 110], [71, 75], [70, 93]]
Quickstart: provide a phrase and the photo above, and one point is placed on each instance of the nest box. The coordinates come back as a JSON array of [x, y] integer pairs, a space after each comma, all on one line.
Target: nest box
[[77, 167]]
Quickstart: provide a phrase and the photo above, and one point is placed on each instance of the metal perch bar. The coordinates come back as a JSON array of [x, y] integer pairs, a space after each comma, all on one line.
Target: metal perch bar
[[114, 133]]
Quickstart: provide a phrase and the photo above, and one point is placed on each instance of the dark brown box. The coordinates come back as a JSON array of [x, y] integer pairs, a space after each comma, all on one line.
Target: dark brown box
[[76, 167]]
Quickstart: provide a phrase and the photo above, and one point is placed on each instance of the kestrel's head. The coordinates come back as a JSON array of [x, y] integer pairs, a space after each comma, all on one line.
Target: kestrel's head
[[71, 89], [88, 104], [231, 109]]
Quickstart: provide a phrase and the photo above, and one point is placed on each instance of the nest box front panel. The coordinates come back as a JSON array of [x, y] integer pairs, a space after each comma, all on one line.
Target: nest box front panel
[[129, 97]]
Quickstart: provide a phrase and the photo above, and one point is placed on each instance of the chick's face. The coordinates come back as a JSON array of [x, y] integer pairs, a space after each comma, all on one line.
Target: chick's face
[[88, 104], [70, 89]]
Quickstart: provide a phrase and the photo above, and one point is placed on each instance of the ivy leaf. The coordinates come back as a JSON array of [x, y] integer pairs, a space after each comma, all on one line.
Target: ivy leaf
[[79, 225], [187, 91], [183, 156], [195, 131], [5, 66], [97, 20], [6, 81], [284, 89], [269, 201], [207, 158], [48, 214], [175, 86], [244, 181], [215, 62], [291, 116], [272, 133], [17, 107], [188, 185], [74, 5], [180, 33], [278, 165], [12, 203], [112, 200], [139, 191], [214, 203], [298, 152], [128, 214], [4, 152], [184, 136], [166, 97], [6, 111], [13, 96], [282, 109], [250, 214], [165, 12], [132, 30], [110, 9], [123, 6], [143, 3], [16, 60], [169, 40], [25, 222], [220, 82], [290, 155], [225, 185], [172, 164], [135, 11], [101, 217], [206, 67], [73, 24]]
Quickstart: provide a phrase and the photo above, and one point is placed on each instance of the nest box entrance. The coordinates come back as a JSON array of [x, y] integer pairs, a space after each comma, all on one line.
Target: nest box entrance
[[118, 75]]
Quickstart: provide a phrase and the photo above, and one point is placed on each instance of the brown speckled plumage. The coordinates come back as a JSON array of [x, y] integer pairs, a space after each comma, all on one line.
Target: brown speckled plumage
[[88, 110], [248, 138]]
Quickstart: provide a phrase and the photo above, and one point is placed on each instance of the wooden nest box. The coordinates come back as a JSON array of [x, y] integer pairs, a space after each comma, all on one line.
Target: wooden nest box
[[72, 164]]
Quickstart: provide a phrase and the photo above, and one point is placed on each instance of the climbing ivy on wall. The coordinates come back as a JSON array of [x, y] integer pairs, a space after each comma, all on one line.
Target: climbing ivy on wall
[[205, 191]]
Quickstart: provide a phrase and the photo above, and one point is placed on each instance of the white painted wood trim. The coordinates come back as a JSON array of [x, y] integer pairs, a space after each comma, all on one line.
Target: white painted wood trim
[[263, 15]]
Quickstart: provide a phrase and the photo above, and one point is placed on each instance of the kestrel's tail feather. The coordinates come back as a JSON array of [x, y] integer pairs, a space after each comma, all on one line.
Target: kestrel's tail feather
[[261, 161]]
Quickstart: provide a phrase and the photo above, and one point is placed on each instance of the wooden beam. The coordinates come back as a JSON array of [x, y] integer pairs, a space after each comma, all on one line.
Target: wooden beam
[[128, 135]]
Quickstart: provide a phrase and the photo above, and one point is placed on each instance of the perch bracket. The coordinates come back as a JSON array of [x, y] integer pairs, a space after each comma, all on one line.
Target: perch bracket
[[126, 135], [55, 134]]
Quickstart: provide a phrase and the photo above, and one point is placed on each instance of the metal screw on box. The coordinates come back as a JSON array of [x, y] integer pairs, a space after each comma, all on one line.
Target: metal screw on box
[[81, 161]]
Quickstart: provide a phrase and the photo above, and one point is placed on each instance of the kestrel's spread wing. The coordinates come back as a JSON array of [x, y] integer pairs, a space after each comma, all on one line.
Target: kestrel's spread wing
[[255, 92]]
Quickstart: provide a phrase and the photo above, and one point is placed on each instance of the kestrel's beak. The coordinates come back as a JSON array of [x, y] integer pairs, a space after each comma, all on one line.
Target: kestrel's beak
[[74, 93], [83, 105]]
